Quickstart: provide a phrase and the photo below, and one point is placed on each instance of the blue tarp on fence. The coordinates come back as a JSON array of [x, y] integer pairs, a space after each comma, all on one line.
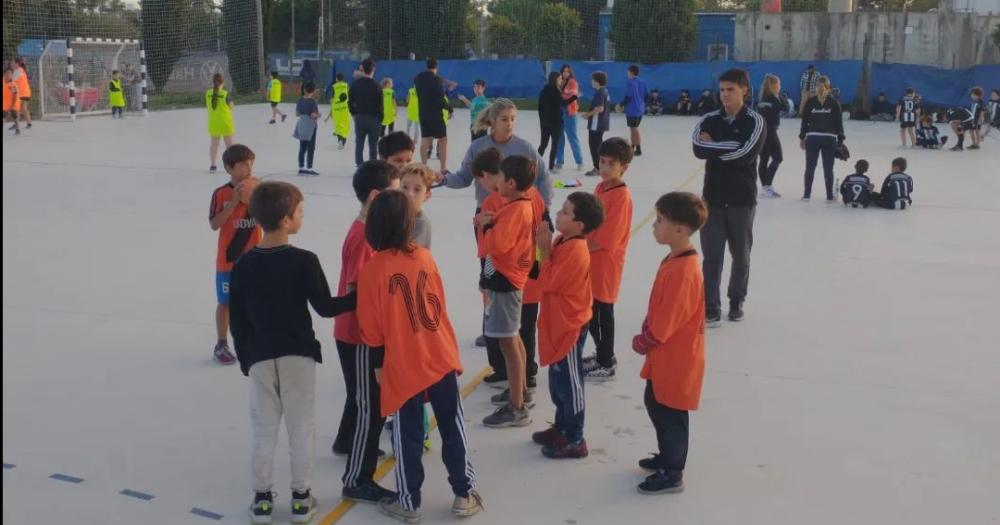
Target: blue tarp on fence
[[524, 78]]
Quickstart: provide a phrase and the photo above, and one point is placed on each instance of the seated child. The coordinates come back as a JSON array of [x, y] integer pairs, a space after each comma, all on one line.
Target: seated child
[[882, 110], [928, 135], [707, 103], [896, 188], [684, 103], [654, 106], [856, 190]]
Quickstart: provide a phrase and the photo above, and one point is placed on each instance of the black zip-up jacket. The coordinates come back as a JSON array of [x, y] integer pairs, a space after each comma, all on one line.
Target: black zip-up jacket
[[731, 156], [550, 104], [770, 107], [823, 118], [365, 98]]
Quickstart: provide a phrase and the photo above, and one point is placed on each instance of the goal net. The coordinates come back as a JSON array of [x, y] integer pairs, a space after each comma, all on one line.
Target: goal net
[[74, 76]]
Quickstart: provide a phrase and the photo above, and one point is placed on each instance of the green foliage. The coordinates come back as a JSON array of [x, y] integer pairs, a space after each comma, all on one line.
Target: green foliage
[[559, 34], [506, 37], [396, 28], [241, 45], [164, 35], [652, 31], [996, 35]]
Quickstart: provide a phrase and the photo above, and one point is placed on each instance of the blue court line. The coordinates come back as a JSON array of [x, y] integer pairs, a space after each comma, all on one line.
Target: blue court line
[[206, 514], [8, 466], [136, 494], [64, 477]]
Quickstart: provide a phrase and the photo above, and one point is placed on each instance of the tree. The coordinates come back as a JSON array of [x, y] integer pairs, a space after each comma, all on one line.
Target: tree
[[505, 37], [651, 31], [996, 36], [526, 15], [241, 41], [590, 11], [559, 33], [163, 34], [396, 28]]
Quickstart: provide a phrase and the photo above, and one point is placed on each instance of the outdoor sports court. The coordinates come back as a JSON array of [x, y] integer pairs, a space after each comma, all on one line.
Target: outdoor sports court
[[861, 388]]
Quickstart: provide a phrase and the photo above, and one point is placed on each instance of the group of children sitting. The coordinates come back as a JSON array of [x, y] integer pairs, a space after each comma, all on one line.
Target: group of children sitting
[[857, 190], [685, 105], [397, 347]]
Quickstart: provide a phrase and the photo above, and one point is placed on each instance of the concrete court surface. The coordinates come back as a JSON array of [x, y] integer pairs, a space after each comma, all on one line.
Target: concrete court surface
[[861, 388]]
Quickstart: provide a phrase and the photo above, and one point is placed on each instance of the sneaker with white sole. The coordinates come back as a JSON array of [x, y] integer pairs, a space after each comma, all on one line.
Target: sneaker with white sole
[[222, 354], [503, 398], [370, 492], [391, 507], [712, 319], [600, 374], [262, 509], [466, 506], [508, 416], [304, 507]]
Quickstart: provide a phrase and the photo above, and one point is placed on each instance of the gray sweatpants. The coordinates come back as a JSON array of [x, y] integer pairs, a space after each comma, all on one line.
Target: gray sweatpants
[[732, 225], [285, 386]]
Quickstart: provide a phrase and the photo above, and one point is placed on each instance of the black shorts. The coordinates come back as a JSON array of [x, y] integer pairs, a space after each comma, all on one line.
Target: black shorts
[[904, 125], [633, 122], [433, 128], [968, 126], [25, 99], [274, 104]]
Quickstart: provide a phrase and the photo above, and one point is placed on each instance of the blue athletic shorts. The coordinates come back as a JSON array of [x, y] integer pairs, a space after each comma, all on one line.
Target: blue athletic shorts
[[222, 287]]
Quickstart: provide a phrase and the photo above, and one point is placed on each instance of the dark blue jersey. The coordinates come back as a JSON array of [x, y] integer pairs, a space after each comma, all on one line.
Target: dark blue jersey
[[907, 109], [896, 190], [856, 190]]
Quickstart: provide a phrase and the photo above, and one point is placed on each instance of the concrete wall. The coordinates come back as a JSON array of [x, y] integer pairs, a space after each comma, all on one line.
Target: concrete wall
[[948, 40]]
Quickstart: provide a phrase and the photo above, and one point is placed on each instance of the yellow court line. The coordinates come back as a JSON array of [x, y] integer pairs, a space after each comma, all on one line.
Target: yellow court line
[[388, 463], [652, 214]]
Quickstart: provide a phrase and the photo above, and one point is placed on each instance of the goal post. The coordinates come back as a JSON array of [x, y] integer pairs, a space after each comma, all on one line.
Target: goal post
[[74, 74]]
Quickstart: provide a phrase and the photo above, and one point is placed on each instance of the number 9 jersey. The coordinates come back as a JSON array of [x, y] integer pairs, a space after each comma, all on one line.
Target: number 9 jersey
[[856, 191], [401, 306]]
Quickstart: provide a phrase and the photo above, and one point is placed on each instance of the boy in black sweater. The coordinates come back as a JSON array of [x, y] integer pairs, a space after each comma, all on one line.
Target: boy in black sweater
[[276, 345]]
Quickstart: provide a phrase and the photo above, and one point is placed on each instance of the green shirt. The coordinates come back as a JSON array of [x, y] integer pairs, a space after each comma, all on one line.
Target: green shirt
[[478, 104]]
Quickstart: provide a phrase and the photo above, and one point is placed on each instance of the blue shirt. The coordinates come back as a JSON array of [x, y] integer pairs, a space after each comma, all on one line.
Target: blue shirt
[[601, 121], [636, 93]]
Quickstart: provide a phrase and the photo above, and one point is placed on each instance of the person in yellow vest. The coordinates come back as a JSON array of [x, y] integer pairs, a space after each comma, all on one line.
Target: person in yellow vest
[[413, 115], [339, 111], [389, 107], [116, 97], [220, 117], [274, 97]]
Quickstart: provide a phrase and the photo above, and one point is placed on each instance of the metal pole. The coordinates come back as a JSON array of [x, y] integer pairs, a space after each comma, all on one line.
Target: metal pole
[[260, 44], [390, 30], [142, 72], [69, 74]]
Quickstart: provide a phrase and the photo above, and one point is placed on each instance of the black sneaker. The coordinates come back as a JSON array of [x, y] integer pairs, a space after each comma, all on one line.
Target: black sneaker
[[212, 169], [304, 507], [496, 380], [712, 319], [367, 493], [974, 146], [662, 483], [638, 151], [481, 341], [262, 508], [650, 463], [503, 398], [271, 121], [531, 383], [956, 147], [735, 312], [508, 416]]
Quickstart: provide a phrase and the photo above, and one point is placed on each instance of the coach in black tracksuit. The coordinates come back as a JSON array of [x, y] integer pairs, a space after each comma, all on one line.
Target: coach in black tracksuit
[[365, 102], [822, 131], [729, 140]]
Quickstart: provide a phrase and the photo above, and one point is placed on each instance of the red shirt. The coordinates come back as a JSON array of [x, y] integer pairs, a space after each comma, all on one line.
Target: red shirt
[[401, 306], [238, 235], [566, 299], [353, 257], [676, 318], [607, 261]]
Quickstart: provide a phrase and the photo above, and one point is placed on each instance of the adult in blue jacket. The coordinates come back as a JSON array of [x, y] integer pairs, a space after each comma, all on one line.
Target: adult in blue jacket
[[636, 93]]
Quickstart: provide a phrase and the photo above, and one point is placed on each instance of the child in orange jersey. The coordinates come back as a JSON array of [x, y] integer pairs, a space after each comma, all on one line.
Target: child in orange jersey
[[607, 255], [673, 340], [11, 101], [486, 171], [228, 213], [562, 327], [509, 241], [403, 317]]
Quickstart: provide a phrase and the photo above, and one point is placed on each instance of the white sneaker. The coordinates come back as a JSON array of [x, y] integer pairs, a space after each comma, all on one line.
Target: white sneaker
[[468, 506], [579, 167], [600, 374]]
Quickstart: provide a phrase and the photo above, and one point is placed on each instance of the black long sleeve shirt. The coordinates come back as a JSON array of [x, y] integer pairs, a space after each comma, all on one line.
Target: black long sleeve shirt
[[731, 156], [822, 118], [430, 92], [770, 107], [365, 98], [550, 104], [268, 294]]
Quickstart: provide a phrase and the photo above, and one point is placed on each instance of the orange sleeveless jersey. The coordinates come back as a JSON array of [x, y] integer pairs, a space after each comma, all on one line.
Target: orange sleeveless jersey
[[11, 101], [676, 316], [237, 235], [401, 306], [566, 299], [608, 260], [510, 243]]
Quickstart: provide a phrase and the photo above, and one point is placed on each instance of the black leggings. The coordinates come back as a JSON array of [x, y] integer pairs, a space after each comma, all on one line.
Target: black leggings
[[307, 150], [602, 330], [596, 138], [550, 132], [770, 158], [816, 145]]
